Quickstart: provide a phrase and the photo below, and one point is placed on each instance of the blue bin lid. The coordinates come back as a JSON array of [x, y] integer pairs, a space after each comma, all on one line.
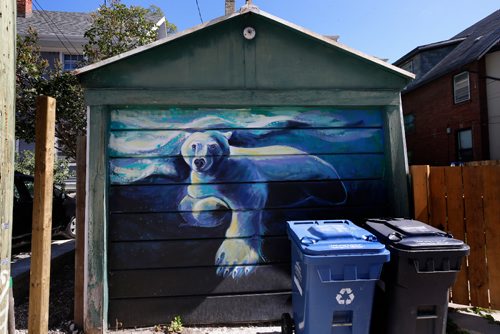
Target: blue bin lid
[[333, 237]]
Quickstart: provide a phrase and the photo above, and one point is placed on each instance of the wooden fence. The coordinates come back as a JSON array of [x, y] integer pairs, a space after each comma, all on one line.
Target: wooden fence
[[465, 201]]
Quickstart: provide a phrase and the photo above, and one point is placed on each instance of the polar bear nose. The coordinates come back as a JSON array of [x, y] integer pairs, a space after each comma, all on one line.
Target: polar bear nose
[[199, 163]]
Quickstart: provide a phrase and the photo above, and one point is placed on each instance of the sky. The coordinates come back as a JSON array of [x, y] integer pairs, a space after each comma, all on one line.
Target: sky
[[385, 28]]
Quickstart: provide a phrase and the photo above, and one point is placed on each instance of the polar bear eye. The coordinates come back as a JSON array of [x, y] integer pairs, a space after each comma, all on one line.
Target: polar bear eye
[[193, 147], [212, 147]]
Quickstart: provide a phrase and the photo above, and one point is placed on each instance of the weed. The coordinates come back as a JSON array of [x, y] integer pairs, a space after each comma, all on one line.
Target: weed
[[484, 313], [175, 325]]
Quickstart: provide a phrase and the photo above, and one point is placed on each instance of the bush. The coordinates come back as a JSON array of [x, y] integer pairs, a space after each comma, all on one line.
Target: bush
[[25, 163]]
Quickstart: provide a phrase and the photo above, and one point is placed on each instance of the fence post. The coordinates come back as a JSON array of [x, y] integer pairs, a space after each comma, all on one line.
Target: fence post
[[420, 186], [42, 215]]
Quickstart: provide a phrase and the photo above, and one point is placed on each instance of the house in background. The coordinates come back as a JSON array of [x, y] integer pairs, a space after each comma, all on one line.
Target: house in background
[[452, 109], [61, 39], [60, 34]]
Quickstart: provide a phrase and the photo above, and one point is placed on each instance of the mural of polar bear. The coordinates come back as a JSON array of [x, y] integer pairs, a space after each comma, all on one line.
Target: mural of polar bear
[[225, 178]]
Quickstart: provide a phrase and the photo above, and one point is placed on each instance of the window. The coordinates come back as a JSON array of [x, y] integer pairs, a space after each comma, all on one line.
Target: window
[[409, 121], [71, 61], [461, 88], [464, 145], [408, 66], [52, 58]]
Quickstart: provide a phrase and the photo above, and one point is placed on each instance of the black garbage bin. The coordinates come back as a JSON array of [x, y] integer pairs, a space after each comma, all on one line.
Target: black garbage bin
[[413, 294]]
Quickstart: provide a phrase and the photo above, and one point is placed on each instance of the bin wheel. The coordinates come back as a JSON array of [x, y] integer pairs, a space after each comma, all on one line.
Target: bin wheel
[[286, 324]]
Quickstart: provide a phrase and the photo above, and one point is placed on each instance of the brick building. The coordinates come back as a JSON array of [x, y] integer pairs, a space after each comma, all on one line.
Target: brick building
[[452, 109]]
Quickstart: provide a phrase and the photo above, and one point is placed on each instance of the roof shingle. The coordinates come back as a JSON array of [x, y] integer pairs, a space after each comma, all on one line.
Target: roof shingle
[[478, 40], [70, 23]]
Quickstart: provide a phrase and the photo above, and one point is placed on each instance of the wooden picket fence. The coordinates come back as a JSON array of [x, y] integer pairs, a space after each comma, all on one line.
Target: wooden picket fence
[[465, 201]]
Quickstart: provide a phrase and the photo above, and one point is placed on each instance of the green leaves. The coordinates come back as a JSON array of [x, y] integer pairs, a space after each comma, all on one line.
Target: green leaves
[[117, 28], [34, 78], [25, 163]]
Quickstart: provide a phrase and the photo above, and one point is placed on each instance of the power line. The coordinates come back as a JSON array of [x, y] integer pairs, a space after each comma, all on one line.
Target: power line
[[199, 11], [45, 16]]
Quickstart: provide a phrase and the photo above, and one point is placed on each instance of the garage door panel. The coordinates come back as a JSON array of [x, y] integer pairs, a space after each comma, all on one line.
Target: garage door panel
[[174, 171], [187, 253], [168, 226], [198, 310], [196, 281], [167, 198], [248, 118], [167, 144]]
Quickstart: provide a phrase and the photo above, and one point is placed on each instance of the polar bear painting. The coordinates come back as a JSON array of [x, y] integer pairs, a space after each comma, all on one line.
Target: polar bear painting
[[239, 168]]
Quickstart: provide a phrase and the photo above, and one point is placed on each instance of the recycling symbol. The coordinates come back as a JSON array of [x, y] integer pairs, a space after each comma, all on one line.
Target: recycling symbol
[[345, 296]]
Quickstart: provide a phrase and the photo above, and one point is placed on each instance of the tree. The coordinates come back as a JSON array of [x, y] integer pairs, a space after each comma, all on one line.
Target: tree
[[117, 28], [34, 78], [30, 71]]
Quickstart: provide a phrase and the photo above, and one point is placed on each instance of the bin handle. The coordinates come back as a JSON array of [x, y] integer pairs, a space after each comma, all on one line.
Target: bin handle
[[415, 264], [309, 240], [369, 237]]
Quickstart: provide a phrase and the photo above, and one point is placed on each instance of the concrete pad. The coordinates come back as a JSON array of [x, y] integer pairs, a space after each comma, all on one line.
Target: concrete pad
[[62, 251], [471, 322]]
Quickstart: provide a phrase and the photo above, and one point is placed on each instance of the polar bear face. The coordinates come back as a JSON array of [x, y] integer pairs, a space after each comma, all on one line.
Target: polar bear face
[[203, 151]]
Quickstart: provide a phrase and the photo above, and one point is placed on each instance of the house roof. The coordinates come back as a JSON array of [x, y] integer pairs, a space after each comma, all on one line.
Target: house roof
[[52, 23], [477, 41], [427, 47], [245, 10]]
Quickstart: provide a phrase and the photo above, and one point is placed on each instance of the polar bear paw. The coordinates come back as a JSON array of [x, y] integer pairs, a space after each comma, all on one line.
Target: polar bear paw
[[237, 257]]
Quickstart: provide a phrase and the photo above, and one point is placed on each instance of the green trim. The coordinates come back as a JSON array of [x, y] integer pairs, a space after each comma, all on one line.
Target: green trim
[[397, 162], [96, 279], [237, 97]]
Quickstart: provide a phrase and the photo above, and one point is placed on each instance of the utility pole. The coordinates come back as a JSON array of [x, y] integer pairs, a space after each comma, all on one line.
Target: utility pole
[[7, 112]]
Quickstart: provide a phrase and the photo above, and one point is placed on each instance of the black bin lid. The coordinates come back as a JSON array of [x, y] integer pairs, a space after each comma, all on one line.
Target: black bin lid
[[411, 234]]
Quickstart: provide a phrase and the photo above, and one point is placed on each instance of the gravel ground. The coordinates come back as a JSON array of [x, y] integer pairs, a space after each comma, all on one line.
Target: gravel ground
[[60, 305]]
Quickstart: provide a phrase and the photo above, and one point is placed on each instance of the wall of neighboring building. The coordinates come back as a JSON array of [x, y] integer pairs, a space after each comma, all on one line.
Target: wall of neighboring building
[[431, 136], [493, 101]]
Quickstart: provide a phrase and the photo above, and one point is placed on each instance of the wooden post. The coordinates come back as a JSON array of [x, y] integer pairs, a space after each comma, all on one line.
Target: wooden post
[[7, 112], [81, 166], [42, 215]]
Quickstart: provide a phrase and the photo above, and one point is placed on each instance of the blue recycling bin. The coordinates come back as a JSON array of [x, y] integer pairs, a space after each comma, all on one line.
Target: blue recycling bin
[[335, 266]]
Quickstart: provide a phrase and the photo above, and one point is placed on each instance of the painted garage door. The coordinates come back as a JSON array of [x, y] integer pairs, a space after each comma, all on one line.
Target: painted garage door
[[199, 198]]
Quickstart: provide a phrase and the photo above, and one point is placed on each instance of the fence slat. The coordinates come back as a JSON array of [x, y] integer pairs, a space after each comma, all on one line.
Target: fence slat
[[491, 200], [456, 226], [419, 176], [474, 221], [437, 198]]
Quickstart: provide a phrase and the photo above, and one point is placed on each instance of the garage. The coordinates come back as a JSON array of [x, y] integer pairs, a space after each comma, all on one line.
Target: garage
[[202, 145]]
